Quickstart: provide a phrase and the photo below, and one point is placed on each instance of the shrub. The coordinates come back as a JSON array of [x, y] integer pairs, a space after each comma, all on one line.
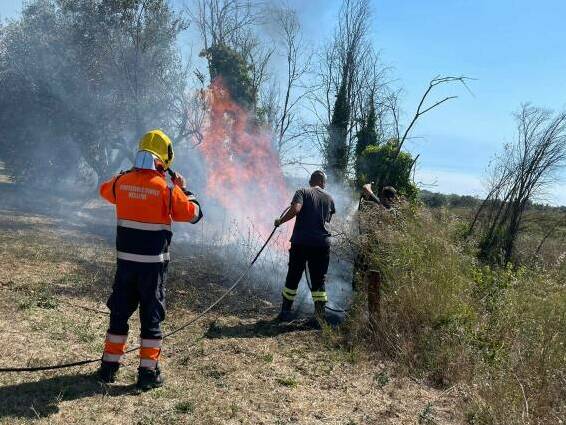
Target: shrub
[[446, 318], [380, 163]]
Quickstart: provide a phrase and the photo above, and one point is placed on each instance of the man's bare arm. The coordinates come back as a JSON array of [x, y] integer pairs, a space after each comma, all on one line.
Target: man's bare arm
[[293, 210], [368, 193]]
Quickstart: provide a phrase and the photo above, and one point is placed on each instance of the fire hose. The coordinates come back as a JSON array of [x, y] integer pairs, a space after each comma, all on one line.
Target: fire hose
[[327, 307], [176, 330], [173, 332]]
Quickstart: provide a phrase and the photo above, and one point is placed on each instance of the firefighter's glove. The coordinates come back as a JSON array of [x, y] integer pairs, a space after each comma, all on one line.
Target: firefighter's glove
[[179, 180], [190, 195]]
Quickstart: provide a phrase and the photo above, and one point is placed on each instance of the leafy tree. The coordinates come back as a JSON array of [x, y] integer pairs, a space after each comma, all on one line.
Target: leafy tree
[[378, 161], [226, 63], [82, 80]]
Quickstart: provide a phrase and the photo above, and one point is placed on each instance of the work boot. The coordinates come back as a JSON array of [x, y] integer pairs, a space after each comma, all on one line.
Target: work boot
[[286, 315], [107, 372], [320, 311], [149, 378]]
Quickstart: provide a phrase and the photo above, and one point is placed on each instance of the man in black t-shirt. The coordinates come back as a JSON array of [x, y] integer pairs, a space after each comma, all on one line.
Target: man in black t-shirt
[[310, 243]]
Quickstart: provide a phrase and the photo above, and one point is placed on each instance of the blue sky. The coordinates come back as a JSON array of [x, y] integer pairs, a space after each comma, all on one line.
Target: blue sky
[[515, 50]]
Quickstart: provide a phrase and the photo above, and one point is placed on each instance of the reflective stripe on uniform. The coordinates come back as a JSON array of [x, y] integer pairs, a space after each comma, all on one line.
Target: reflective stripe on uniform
[[114, 347], [116, 338], [150, 343], [148, 364], [319, 296], [290, 294], [143, 258], [113, 358], [130, 224], [150, 353]]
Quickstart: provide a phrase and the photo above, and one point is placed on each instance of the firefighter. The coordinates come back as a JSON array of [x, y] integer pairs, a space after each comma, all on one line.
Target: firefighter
[[145, 207], [387, 198], [369, 200], [310, 244]]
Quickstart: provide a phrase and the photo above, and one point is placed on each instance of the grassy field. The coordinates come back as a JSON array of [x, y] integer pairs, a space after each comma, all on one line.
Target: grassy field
[[237, 366]]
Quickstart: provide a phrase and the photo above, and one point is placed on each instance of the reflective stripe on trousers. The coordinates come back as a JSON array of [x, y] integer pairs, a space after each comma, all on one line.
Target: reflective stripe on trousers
[[319, 296], [149, 352], [290, 294], [114, 348], [143, 258]]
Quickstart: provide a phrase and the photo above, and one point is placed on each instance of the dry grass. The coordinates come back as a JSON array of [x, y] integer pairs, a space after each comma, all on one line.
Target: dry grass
[[448, 320], [235, 367]]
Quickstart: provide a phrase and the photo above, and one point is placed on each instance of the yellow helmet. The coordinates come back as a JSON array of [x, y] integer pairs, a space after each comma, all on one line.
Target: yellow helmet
[[157, 142]]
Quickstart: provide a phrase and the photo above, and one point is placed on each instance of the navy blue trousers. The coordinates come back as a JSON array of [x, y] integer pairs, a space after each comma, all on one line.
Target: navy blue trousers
[[316, 257], [143, 285]]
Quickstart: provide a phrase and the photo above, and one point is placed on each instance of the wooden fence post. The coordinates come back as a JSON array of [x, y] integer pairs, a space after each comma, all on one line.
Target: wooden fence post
[[374, 297]]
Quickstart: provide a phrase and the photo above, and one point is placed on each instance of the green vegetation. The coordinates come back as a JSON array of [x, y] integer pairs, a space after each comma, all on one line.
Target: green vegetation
[[380, 163], [288, 381], [113, 72], [448, 319], [231, 67], [185, 407], [337, 144]]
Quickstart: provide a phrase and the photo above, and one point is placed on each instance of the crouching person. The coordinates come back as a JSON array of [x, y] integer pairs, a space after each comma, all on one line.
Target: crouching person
[[310, 244], [145, 207]]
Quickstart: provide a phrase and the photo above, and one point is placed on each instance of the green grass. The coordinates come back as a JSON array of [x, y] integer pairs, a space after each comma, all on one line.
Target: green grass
[[426, 417], [381, 379], [185, 407], [288, 381]]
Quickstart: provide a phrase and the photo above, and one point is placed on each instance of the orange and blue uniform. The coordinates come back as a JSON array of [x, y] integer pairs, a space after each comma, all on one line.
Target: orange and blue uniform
[[145, 208]]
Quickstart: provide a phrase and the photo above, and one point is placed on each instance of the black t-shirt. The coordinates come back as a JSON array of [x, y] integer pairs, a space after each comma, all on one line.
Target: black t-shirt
[[311, 227]]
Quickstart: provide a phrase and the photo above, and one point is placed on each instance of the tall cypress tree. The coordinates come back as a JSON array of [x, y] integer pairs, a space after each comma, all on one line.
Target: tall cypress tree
[[337, 145], [366, 136]]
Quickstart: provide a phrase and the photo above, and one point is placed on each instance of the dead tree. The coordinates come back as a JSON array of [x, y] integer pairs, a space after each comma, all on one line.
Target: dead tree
[[422, 108], [223, 22], [231, 23], [525, 169], [297, 61]]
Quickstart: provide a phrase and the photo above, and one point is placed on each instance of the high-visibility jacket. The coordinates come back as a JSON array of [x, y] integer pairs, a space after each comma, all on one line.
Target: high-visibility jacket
[[145, 207]]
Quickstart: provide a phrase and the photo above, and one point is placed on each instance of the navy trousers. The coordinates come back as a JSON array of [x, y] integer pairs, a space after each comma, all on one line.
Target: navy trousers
[[143, 285], [317, 259]]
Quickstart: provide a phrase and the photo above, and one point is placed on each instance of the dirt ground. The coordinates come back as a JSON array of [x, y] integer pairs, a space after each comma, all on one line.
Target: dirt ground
[[236, 366]]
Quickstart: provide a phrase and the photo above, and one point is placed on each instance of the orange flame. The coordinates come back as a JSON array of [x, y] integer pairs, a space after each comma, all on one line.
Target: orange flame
[[244, 173]]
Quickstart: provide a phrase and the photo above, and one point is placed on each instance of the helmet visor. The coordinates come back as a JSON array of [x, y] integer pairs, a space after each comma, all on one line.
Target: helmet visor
[[145, 160]]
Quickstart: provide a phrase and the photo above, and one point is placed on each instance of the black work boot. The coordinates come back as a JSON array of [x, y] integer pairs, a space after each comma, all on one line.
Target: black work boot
[[320, 311], [107, 372], [286, 315], [149, 378]]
